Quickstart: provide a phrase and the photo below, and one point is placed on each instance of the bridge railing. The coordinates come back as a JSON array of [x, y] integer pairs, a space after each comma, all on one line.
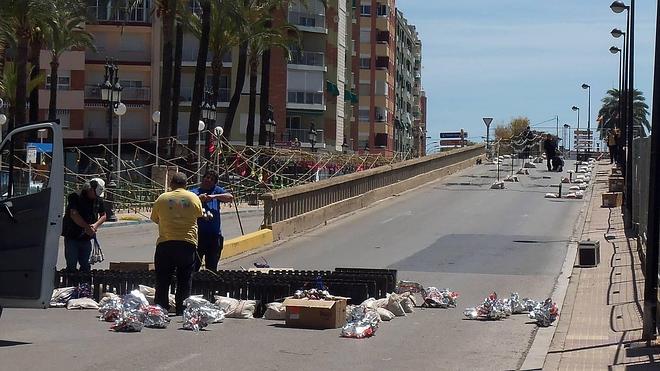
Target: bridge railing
[[293, 202]]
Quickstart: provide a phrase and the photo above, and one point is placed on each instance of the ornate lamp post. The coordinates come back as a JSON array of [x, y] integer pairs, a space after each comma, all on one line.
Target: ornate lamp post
[[156, 119], [271, 125], [311, 135], [111, 96]]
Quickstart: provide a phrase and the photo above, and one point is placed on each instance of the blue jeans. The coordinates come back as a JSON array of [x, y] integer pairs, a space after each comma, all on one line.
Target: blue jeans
[[77, 252]]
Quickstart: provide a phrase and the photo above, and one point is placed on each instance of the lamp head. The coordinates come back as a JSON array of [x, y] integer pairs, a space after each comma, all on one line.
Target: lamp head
[[615, 50], [618, 6], [156, 116], [585, 86], [617, 33], [574, 108]]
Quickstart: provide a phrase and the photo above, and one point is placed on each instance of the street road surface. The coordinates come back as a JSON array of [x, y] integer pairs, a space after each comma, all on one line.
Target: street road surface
[[454, 233]]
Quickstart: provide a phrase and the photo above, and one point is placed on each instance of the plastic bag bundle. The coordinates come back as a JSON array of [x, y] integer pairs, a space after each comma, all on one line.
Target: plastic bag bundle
[[435, 298], [111, 308], [234, 308], [409, 286], [362, 322], [155, 317], [313, 294], [200, 313], [491, 309], [545, 313], [82, 303], [97, 253], [519, 306], [131, 317], [275, 311], [61, 296]]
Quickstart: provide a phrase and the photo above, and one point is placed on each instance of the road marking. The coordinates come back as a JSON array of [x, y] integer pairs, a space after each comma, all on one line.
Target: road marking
[[407, 213], [178, 362]]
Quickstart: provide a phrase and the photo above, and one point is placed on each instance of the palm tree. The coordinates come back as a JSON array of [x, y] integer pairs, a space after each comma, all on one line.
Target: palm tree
[[200, 74], [23, 17], [608, 115], [34, 57], [64, 31], [10, 82], [262, 38]]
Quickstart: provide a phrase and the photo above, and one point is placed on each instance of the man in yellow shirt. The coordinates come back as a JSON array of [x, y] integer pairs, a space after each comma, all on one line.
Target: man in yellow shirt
[[176, 214]]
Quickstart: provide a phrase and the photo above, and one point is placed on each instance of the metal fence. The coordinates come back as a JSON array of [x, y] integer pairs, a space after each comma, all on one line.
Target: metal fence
[[640, 195]]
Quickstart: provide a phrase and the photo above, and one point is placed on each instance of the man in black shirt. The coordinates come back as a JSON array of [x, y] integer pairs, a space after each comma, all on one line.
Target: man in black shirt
[[550, 148], [83, 216]]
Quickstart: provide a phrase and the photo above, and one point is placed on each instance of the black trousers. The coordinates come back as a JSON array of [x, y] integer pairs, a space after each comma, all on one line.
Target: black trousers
[[174, 256], [209, 248], [613, 153], [548, 160]]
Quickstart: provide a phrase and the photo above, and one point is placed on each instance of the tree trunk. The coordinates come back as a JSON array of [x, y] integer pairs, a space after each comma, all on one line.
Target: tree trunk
[[21, 79], [238, 89], [35, 51], [176, 83], [264, 96], [249, 136], [3, 52], [166, 77], [52, 104], [216, 71], [200, 76]]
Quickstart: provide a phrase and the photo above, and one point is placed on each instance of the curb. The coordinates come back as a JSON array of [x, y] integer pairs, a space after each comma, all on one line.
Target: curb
[[538, 351]]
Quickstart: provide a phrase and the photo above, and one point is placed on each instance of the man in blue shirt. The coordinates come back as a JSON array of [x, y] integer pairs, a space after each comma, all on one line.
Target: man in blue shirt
[[210, 239]]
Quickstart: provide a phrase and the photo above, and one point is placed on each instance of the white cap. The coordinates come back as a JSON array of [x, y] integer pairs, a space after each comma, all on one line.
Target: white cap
[[100, 186]]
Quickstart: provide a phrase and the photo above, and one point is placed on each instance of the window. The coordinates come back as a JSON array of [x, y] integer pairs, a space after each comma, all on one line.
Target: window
[[365, 89], [381, 10], [293, 122], [365, 36], [365, 63], [130, 83], [63, 82], [365, 10], [363, 114]]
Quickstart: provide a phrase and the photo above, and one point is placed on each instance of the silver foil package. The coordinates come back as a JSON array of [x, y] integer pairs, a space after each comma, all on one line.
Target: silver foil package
[[313, 294], [362, 322], [409, 286], [439, 298], [491, 309], [155, 317], [131, 317], [200, 313], [545, 313]]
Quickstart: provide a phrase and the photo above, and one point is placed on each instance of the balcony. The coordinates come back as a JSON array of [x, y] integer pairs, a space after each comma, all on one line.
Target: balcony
[[303, 135], [383, 37], [139, 15], [128, 94], [305, 100], [186, 93], [382, 63], [308, 22], [142, 57], [308, 58]]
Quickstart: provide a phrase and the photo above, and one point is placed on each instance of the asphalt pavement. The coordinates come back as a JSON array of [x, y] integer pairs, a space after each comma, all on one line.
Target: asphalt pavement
[[455, 233]]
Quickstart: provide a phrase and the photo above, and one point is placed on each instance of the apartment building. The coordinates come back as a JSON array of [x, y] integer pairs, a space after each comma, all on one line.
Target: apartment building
[[406, 44], [374, 31], [340, 81]]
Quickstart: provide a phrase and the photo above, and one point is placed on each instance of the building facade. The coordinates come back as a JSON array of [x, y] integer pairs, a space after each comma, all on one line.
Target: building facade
[[340, 79]]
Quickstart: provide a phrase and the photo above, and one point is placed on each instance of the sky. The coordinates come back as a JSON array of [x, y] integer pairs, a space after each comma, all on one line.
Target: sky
[[510, 58]]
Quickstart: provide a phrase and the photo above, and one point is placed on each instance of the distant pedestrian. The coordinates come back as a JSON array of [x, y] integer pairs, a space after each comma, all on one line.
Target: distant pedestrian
[[612, 140], [550, 149], [176, 214], [83, 216], [211, 239]]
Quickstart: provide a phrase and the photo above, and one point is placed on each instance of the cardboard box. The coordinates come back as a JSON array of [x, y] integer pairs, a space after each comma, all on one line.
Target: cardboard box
[[315, 314], [131, 266], [616, 183], [612, 199]]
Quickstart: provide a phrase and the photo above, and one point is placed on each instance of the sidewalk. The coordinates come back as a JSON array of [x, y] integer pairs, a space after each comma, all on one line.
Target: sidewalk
[[600, 326]]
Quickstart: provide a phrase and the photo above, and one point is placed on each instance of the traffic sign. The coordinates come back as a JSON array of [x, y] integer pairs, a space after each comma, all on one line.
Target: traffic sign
[[456, 135], [487, 121], [31, 155]]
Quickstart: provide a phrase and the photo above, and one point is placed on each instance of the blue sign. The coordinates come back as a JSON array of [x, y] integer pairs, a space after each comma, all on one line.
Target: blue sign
[[42, 147], [454, 135]]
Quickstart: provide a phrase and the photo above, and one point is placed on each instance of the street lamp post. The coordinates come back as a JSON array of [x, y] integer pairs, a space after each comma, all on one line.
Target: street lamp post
[[156, 118], [615, 50], [567, 129], [588, 88], [311, 135], [271, 125], [111, 96], [200, 127], [120, 110], [618, 7], [577, 137]]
